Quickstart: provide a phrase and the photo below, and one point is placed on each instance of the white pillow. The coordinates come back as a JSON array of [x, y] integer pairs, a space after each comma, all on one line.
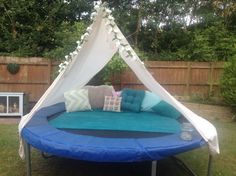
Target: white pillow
[[77, 100]]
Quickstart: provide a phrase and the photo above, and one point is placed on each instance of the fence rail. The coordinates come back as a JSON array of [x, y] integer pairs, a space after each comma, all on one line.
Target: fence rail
[[179, 78]]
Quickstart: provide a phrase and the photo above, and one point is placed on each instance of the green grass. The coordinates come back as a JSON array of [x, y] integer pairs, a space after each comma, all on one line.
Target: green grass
[[223, 164]]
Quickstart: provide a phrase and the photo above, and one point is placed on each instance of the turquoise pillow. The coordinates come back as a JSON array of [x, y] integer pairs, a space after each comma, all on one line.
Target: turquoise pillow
[[165, 109], [150, 100], [132, 100]]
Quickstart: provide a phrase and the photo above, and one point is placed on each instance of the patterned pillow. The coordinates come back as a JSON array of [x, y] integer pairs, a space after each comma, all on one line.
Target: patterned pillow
[[77, 100], [112, 103]]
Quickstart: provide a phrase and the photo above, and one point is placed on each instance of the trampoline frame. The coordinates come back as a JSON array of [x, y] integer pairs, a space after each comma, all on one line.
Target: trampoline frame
[[58, 108], [154, 164]]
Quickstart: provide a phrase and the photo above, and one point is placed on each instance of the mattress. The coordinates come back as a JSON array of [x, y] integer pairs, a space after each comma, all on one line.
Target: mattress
[[119, 121]]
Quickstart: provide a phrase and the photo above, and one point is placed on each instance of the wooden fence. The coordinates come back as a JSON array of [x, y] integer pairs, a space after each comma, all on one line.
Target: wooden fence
[[179, 78], [33, 78]]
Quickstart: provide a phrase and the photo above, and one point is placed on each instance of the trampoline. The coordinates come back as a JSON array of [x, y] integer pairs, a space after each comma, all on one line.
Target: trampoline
[[101, 145]]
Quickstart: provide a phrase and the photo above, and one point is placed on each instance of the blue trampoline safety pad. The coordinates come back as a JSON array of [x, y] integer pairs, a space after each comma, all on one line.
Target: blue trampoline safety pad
[[123, 121], [43, 136]]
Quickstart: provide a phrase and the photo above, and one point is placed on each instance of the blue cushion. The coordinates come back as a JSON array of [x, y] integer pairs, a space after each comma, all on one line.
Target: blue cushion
[[132, 100], [165, 109], [150, 100]]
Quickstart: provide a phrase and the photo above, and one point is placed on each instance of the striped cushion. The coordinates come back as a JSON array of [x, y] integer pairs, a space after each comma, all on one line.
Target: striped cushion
[[77, 100]]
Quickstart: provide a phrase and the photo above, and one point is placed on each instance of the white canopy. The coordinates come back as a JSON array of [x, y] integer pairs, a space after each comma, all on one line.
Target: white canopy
[[101, 41]]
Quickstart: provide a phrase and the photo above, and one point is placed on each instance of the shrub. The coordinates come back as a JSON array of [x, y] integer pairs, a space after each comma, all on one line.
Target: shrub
[[106, 76], [115, 66], [228, 83]]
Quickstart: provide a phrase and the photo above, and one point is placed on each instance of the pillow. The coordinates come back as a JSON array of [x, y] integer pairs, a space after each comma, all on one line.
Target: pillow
[[112, 103], [132, 99], [150, 100], [116, 93], [97, 94], [77, 100], [165, 109]]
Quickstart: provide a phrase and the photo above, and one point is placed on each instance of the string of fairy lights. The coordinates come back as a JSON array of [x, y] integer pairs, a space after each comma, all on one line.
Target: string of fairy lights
[[111, 27]]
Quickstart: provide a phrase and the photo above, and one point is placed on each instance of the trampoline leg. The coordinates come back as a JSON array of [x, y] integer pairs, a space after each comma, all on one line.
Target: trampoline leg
[[28, 158], [209, 165], [154, 168]]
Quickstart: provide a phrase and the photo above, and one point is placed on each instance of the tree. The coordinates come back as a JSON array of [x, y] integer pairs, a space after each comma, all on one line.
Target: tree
[[29, 27], [228, 83], [164, 29], [66, 38]]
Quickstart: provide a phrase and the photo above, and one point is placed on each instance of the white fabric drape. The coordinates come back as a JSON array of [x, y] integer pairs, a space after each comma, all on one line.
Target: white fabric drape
[[95, 54], [205, 128]]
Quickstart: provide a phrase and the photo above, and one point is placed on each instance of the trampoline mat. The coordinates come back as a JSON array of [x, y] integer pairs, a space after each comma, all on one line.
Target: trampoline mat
[[115, 134], [115, 121]]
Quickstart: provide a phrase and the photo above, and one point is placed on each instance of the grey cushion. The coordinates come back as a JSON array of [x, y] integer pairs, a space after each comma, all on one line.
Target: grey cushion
[[97, 95]]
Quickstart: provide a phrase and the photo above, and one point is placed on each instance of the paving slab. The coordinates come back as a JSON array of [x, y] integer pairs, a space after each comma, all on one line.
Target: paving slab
[[9, 120]]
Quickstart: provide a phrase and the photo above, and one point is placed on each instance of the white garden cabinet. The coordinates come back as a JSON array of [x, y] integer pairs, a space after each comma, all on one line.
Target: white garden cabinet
[[11, 104]]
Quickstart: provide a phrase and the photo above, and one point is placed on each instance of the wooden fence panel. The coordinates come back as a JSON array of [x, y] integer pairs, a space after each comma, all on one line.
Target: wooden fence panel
[[179, 78], [32, 79]]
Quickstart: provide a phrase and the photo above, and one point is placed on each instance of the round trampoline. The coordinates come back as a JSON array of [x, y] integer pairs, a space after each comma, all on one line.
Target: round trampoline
[[105, 144], [102, 145]]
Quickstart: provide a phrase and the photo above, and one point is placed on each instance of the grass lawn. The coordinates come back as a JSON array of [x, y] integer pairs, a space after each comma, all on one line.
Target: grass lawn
[[223, 164]]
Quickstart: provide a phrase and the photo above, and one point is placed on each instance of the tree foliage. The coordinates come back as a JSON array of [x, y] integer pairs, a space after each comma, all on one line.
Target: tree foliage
[[228, 83], [66, 38], [31, 27], [164, 29]]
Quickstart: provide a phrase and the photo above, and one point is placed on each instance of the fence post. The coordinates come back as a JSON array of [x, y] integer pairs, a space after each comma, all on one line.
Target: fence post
[[49, 72], [211, 79], [121, 79], [188, 79]]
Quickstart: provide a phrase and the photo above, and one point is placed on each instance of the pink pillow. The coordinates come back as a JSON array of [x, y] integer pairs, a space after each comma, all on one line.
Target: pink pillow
[[116, 93]]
